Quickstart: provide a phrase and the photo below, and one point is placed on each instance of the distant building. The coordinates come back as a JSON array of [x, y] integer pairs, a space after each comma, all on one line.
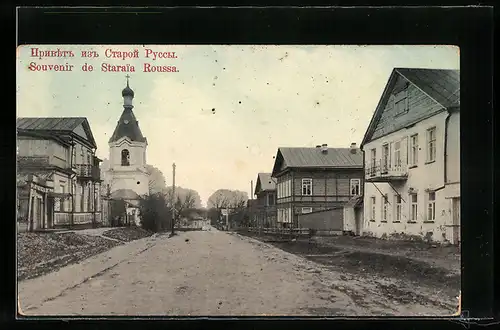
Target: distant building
[[412, 157], [312, 180], [57, 172], [264, 207], [127, 176]]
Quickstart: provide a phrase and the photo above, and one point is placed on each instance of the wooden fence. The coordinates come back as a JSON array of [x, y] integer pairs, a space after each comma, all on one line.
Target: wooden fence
[[295, 232]]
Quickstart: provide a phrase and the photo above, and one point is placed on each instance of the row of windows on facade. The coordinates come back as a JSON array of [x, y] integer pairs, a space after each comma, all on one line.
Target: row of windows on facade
[[285, 188], [398, 207], [285, 214], [413, 148], [86, 201]]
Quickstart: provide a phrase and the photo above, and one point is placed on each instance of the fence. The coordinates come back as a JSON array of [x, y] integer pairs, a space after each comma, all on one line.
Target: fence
[[295, 232]]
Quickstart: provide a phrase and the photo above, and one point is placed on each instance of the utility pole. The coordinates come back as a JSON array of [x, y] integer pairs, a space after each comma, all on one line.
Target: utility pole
[[173, 197]]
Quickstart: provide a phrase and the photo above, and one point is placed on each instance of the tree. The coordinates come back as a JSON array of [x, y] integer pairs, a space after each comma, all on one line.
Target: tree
[[225, 198], [155, 214], [184, 199], [157, 182]]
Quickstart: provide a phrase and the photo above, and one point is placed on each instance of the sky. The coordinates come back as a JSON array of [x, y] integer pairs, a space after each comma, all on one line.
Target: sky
[[224, 114]]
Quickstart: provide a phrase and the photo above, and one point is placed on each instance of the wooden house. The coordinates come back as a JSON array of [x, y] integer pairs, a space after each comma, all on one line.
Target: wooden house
[[312, 180], [58, 156], [264, 210]]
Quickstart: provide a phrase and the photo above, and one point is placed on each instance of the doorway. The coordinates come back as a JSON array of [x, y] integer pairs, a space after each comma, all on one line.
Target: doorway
[[358, 218], [456, 219]]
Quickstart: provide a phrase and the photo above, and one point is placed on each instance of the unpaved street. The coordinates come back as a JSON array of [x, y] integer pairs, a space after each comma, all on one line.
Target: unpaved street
[[210, 273]]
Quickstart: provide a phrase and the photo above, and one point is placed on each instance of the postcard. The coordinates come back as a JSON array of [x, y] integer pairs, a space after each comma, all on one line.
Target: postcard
[[238, 180]]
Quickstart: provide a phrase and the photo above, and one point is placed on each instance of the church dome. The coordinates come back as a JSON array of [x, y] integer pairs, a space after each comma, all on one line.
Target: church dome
[[127, 91]]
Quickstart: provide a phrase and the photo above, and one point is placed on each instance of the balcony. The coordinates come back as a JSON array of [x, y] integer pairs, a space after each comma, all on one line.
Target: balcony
[[88, 172], [383, 171]]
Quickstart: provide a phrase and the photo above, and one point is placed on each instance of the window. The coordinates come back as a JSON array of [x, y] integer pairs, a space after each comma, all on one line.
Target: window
[[73, 157], [431, 206], [270, 199], [397, 154], [413, 207], [307, 187], [82, 199], [62, 189], [125, 157], [401, 101], [355, 187], [373, 161], [373, 208], [384, 208], [431, 144], [307, 210], [397, 203], [90, 201], [414, 149], [385, 158]]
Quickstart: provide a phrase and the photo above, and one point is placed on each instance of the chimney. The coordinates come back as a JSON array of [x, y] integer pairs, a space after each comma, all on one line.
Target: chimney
[[324, 148], [353, 148]]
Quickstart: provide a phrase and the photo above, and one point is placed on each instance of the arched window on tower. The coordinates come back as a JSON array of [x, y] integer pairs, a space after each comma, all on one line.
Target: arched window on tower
[[125, 157]]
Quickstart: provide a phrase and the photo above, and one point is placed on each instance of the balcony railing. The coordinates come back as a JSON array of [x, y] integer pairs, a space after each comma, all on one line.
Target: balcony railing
[[87, 171], [382, 170]]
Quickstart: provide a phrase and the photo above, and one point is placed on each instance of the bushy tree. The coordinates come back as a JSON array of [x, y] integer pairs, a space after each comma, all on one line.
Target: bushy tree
[[155, 214]]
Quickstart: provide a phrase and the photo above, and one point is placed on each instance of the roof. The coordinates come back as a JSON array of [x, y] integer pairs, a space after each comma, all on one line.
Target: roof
[[314, 157], [441, 85], [265, 182], [124, 194], [54, 125], [127, 126], [49, 123]]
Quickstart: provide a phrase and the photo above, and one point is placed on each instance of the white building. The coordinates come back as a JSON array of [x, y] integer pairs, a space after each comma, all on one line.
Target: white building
[[127, 176], [412, 158]]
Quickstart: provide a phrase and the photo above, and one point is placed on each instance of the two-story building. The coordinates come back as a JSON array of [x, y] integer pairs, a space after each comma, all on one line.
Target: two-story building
[[310, 180], [58, 155], [412, 157], [264, 209]]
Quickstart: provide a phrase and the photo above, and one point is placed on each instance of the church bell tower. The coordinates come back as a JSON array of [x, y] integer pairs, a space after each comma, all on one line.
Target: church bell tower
[[127, 153]]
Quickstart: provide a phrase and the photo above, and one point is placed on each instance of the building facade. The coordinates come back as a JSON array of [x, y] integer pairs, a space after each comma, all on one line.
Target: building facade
[[127, 176], [310, 180], [264, 207], [57, 155], [412, 157]]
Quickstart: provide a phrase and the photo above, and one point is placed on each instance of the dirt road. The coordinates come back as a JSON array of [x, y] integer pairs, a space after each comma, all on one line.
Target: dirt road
[[211, 273]]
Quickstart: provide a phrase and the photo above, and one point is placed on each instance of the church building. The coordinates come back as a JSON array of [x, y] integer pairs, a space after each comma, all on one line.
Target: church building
[[127, 177]]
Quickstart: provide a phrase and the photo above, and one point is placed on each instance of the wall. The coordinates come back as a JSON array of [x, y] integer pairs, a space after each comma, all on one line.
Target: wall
[[128, 180], [136, 152], [323, 220], [62, 183], [57, 153], [419, 103], [328, 186], [423, 177], [453, 156]]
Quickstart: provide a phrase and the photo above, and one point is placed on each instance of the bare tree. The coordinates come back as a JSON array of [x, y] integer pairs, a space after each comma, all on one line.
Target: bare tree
[[225, 198]]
